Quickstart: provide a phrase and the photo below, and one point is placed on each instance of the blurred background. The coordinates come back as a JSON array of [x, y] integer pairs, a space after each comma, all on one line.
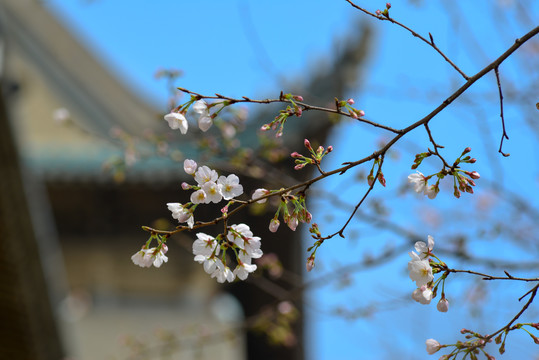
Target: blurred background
[[87, 160]]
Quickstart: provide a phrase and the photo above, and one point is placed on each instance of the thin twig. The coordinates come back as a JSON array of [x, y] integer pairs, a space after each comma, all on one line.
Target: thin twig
[[430, 43], [504, 134]]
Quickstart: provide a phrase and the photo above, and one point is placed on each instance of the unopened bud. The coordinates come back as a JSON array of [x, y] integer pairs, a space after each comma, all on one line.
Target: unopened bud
[[472, 160], [388, 6], [467, 150], [473, 174], [443, 305], [354, 114], [299, 166], [164, 248], [330, 149], [298, 112], [307, 144], [265, 127], [274, 225], [310, 263], [185, 186], [361, 113], [292, 223], [378, 12], [298, 97], [350, 101], [296, 155]]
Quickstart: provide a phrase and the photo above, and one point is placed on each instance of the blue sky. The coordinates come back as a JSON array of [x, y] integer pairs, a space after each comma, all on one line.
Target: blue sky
[[254, 48]]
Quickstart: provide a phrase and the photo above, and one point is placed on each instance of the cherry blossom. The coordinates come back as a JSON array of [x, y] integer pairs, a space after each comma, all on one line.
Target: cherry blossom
[[177, 121], [244, 266], [258, 194], [242, 236], [420, 270], [223, 273], [211, 189], [189, 166], [204, 247], [142, 258], [423, 249], [204, 120], [199, 197], [419, 181], [230, 186], [205, 174], [147, 257], [180, 213], [422, 295]]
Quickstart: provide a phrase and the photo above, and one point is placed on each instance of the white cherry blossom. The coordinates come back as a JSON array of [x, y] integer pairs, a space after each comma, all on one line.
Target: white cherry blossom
[[242, 236], [423, 249], [204, 121], [420, 270], [189, 166], [205, 174], [223, 273], [259, 193], [204, 247], [211, 189], [181, 214], [177, 121], [199, 197], [147, 257], [422, 295], [419, 181], [230, 186]]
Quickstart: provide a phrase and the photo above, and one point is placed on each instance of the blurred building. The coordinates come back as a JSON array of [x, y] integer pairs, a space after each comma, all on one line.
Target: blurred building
[[69, 227]]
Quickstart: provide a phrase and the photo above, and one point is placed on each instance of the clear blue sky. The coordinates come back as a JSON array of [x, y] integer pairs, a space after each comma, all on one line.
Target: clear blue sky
[[250, 48]]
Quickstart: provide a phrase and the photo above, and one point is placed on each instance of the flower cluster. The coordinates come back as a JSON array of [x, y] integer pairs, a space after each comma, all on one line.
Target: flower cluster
[[212, 252], [420, 183], [176, 119], [421, 271], [210, 188], [155, 256]]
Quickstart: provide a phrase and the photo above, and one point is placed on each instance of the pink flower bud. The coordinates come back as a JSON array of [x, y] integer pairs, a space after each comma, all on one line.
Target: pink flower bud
[[350, 101], [298, 97], [370, 179], [473, 175], [274, 225], [265, 127], [307, 144], [310, 263], [443, 305], [330, 149], [299, 111], [388, 6], [185, 186], [354, 114], [164, 248], [299, 166], [292, 223], [378, 12], [361, 113], [381, 179], [467, 150], [457, 193], [296, 155], [472, 160]]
